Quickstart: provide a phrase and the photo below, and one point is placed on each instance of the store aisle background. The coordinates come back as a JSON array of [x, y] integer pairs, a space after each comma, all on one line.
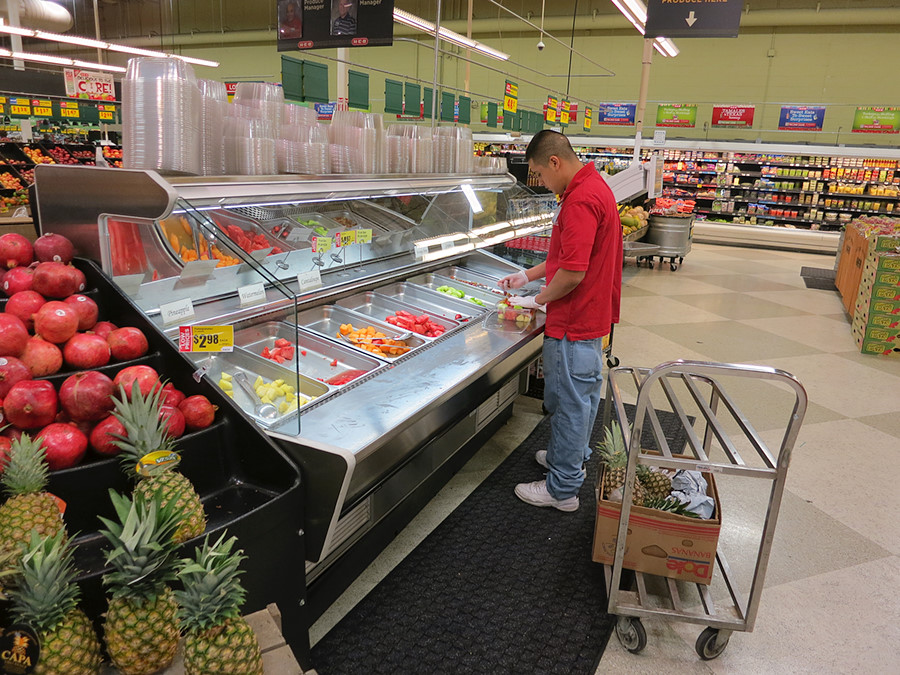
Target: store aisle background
[[831, 603]]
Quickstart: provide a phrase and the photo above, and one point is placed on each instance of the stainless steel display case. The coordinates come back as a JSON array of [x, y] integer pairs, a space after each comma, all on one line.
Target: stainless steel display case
[[371, 448]]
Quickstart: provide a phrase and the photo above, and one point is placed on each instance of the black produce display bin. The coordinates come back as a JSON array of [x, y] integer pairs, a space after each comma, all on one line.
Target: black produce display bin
[[247, 484]]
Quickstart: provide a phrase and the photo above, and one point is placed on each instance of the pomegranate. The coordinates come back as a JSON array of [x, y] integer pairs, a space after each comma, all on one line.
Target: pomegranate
[[198, 412], [18, 279], [56, 321], [31, 404], [24, 304], [5, 445], [85, 308], [145, 376], [171, 396], [104, 328], [41, 357], [15, 251], [12, 370], [87, 397], [12, 433], [13, 335], [174, 420], [56, 280], [127, 343], [86, 350], [103, 436], [53, 248], [64, 445]]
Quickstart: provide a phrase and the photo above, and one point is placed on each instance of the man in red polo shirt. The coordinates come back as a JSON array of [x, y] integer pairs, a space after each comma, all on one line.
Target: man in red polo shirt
[[581, 298]]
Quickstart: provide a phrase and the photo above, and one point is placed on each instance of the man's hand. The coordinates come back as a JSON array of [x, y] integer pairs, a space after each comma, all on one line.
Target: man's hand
[[525, 301], [512, 281]]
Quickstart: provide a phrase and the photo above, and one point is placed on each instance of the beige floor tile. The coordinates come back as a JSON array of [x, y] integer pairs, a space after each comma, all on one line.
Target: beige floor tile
[[808, 300], [630, 291], [731, 342], [636, 346], [839, 383], [654, 310], [788, 278], [889, 423], [746, 282], [824, 334], [666, 652], [667, 284], [750, 267], [737, 305], [883, 364]]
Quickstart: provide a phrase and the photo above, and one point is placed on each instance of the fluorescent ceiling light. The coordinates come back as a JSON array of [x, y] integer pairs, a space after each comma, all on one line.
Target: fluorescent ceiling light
[[42, 58], [58, 61], [636, 12], [417, 22], [472, 197], [98, 66], [71, 39]]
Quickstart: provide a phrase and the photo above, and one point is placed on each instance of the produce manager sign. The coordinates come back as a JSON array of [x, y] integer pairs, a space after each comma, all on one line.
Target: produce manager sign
[[693, 18], [325, 24]]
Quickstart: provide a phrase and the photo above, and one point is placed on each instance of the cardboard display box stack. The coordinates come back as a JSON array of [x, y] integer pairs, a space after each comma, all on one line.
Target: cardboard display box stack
[[876, 315]]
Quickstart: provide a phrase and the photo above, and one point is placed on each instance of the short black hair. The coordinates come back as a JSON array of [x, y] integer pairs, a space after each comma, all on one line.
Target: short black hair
[[547, 143]]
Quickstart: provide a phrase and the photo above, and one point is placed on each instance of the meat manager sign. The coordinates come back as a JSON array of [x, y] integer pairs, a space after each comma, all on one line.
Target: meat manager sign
[[90, 85]]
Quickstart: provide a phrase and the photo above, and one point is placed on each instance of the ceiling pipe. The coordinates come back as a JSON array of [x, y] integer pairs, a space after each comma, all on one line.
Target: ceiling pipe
[[41, 15]]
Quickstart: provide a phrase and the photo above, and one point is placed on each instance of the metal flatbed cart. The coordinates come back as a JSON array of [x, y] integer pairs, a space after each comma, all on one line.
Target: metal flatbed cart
[[729, 446]]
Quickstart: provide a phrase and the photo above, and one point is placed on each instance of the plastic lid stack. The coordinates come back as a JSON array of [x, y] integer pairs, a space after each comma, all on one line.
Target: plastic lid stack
[[213, 104], [303, 149], [161, 105]]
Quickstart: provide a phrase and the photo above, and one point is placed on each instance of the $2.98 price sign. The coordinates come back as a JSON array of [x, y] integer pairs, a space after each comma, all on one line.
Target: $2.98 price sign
[[206, 338]]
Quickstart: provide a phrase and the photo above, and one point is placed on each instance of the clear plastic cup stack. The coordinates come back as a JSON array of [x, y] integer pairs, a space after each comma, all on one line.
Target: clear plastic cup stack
[[299, 116], [249, 144], [213, 104], [354, 142], [161, 128], [303, 150], [266, 99]]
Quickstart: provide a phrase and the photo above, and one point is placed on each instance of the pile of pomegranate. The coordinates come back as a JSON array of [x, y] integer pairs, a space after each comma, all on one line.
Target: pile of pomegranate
[[47, 324]]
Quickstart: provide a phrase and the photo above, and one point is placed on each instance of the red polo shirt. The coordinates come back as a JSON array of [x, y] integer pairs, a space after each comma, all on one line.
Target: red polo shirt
[[587, 238]]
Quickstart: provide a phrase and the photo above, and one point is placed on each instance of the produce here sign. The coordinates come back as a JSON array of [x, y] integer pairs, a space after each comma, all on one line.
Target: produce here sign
[[878, 120], [550, 109], [616, 114], [682, 115], [733, 115], [801, 118]]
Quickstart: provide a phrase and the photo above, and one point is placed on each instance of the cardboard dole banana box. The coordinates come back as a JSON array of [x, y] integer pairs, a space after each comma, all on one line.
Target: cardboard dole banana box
[[657, 542]]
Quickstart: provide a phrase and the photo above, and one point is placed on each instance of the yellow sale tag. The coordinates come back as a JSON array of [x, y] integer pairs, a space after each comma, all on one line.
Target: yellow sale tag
[[348, 238], [157, 462], [106, 115], [364, 236], [206, 338], [20, 109], [68, 112], [321, 244], [510, 104], [43, 111]]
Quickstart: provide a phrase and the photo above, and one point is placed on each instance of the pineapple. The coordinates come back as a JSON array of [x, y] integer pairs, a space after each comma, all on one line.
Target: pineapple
[[46, 597], [141, 626], [217, 639], [670, 505], [28, 508], [612, 454], [656, 484], [146, 433]]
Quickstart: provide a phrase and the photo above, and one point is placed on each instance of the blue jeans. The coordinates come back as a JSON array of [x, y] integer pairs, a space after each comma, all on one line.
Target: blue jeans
[[573, 380]]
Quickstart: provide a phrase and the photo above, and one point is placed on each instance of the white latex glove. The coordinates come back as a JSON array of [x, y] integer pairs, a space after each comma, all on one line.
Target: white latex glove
[[525, 301], [516, 280]]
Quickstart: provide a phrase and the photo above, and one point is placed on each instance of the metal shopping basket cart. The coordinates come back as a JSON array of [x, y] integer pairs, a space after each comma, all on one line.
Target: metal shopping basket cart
[[725, 445]]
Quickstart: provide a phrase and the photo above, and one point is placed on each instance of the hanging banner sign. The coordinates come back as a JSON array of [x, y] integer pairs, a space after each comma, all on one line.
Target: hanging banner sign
[[801, 118], [682, 115], [693, 18], [588, 118], [564, 114], [550, 109], [89, 84], [573, 113], [511, 97], [876, 120], [616, 114], [733, 115], [325, 24]]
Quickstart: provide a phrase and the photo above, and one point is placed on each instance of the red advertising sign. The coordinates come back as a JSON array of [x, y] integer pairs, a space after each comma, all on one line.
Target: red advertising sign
[[733, 115]]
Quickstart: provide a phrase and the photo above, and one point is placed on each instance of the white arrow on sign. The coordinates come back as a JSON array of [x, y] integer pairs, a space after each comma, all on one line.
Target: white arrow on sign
[[691, 20]]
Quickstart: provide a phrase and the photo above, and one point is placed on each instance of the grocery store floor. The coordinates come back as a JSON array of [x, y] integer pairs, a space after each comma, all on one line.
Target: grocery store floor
[[831, 602]]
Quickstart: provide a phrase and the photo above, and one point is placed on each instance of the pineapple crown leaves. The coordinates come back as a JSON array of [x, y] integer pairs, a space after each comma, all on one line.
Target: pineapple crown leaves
[[143, 553], [45, 590], [145, 432], [26, 467], [669, 505], [612, 447], [212, 593]]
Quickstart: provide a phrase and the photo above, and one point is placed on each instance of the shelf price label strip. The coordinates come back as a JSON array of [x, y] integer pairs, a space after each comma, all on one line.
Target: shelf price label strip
[[206, 338]]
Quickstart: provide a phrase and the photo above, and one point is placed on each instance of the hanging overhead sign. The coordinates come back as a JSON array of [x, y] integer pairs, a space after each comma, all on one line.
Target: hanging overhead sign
[[551, 109], [676, 115], [876, 120], [510, 97], [616, 114], [588, 118], [693, 18], [564, 114], [89, 84], [326, 24], [801, 118], [733, 115]]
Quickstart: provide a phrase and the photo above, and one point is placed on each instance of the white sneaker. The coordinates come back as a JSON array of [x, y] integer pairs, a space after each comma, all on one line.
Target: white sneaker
[[541, 458], [536, 494]]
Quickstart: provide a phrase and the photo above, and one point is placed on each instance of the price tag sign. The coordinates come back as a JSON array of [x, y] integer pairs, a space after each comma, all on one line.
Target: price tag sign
[[510, 97], [364, 236], [321, 244], [174, 312], [348, 237], [206, 338], [309, 280], [43, 112], [252, 294]]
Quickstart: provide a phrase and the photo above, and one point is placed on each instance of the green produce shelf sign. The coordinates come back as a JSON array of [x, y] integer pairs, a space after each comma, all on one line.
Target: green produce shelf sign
[[874, 120], [682, 115]]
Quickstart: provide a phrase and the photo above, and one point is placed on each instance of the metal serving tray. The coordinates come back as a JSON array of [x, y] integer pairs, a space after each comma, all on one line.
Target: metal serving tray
[[489, 265], [435, 281], [431, 301], [380, 307], [353, 217], [322, 360], [472, 279], [327, 320], [241, 360]]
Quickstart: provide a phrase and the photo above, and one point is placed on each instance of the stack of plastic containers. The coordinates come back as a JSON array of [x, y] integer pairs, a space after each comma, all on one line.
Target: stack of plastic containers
[[400, 142], [303, 149], [249, 143], [266, 99], [454, 150], [354, 142], [161, 116], [424, 151], [213, 102], [298, 116]]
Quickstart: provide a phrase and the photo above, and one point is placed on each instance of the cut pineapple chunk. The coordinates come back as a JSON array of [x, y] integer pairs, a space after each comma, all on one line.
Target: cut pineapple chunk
[[226, 376], [258, 382]]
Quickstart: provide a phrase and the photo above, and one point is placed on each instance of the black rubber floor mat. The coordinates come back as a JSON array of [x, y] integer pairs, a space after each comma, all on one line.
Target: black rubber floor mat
[[498, 587], [818, 278]]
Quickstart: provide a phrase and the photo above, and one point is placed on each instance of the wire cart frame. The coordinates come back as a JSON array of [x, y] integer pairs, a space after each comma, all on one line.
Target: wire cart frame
[[631, 606]]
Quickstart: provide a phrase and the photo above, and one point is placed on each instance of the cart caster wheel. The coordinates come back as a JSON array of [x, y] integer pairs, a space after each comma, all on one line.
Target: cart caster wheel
[[631, 634], [673, 266], [612, 362], [711, 643]]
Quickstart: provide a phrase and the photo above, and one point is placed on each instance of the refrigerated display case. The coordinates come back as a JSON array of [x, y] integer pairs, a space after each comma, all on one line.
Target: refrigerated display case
[[341, 269]]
